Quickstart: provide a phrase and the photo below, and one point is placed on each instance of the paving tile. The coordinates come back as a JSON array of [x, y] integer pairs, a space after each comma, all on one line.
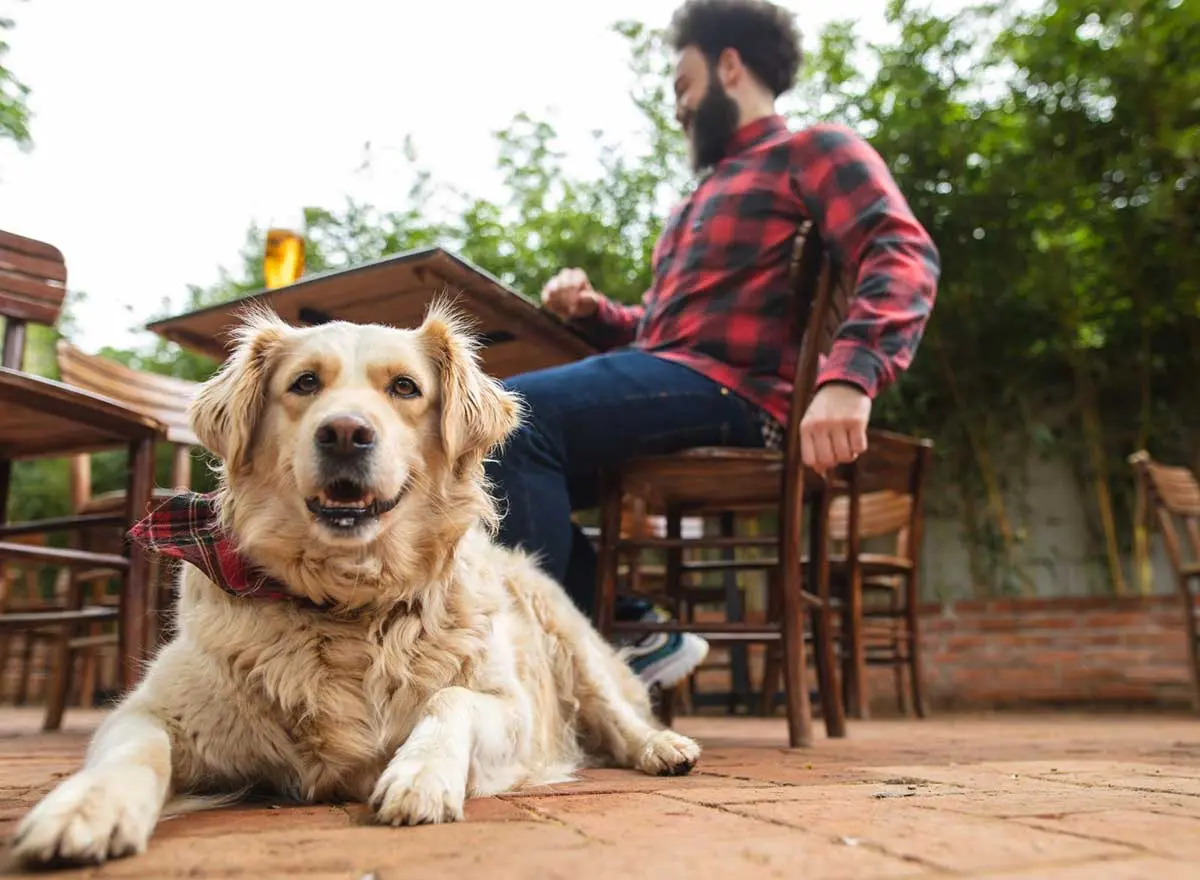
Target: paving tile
[[770, 855], [690, 839], [1137, 868], [1166, 835], [245, 820], [955, 843], [609, 781], [849, 792], [1060, 801], [436, 850]]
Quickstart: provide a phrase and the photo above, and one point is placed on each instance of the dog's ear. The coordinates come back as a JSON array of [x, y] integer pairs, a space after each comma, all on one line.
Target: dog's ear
[[478, 413], [225, 412]]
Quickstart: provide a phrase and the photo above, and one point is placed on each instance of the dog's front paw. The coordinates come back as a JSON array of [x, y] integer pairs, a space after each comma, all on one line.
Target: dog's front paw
[[414, 792], [93, 816], [667, 753]]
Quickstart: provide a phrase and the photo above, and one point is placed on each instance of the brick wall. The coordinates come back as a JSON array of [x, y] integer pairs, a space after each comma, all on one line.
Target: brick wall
[[1067, 650], [1024, 652]]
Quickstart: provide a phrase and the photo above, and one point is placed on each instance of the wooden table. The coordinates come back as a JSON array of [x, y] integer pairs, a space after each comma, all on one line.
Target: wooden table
[[41, 418], [517, 334]]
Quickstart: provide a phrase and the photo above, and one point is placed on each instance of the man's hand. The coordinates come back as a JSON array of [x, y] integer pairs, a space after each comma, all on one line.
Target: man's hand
[[569, 295], [834, 429]]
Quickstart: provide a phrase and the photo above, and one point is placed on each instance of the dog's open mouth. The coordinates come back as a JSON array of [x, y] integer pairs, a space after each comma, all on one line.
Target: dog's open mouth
[[344, 505]]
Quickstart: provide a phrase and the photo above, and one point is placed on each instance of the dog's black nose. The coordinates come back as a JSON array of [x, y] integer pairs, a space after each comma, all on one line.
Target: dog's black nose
[[345, 435]]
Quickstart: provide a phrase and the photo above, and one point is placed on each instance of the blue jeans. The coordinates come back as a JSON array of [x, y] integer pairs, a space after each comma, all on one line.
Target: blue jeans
[[590, 415]]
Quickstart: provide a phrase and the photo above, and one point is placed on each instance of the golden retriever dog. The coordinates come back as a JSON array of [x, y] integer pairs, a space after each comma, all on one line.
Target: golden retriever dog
[[405, 660]]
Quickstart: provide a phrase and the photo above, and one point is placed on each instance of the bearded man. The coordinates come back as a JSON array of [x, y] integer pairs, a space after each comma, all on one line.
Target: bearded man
[[707, 358]]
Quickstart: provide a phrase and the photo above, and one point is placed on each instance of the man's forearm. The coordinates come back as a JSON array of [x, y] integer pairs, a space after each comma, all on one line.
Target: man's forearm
[[867, 225], [612, 325]]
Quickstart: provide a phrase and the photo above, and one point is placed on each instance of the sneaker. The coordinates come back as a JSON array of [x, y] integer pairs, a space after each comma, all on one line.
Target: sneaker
[[664, 659]]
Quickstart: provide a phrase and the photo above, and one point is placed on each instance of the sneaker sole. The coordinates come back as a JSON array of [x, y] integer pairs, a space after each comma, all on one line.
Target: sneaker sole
[[677, 665]]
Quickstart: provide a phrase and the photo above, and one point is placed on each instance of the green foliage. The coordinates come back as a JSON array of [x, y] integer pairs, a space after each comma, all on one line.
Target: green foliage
[[14, 109], [1054, 155]]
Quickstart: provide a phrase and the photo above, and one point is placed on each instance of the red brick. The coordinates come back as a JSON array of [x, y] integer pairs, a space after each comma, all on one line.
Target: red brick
[[1173, 836], [1136, 868], [911, 832]]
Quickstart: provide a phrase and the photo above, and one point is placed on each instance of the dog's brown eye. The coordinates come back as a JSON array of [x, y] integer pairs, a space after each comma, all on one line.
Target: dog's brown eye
[[305, 383], [402, 386]]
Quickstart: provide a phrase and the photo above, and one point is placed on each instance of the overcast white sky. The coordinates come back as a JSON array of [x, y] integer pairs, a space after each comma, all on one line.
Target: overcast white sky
[[163, 129]]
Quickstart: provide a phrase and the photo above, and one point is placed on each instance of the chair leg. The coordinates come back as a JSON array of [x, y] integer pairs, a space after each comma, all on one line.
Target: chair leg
[[795, 666], [673, 587], [832, 707], [29, 642], [1193, 637], [607, 556], [900, 655], [134, 620], [5, 487], [772, 655], [912, 618], [62, 660], [854, 668]]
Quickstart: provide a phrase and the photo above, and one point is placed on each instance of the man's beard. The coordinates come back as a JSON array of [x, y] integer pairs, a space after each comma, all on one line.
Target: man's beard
[[713, 125]]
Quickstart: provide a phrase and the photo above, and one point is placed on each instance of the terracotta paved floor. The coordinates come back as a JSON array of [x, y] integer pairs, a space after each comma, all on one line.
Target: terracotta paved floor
[[1033, 796]]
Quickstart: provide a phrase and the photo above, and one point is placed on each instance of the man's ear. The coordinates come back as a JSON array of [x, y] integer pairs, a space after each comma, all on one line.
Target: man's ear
[[226, 411], [478, 413]]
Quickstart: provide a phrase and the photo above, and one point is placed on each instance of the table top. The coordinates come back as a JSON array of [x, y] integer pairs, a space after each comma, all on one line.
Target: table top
[[41, 417], [517, 335]]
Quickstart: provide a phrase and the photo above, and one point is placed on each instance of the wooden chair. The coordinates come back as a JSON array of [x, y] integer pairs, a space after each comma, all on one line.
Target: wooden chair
[[885, 488], [1173, 493], [714, 480], [41, 418], [164, 398]]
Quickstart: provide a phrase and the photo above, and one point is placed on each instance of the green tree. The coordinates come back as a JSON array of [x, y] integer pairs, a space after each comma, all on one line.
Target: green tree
[[14, 94]]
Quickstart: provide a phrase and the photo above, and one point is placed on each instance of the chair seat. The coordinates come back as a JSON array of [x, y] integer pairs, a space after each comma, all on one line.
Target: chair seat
[[714, 477]]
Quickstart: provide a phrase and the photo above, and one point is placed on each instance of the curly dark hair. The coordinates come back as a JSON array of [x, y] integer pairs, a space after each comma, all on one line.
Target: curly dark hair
[[764, 35]]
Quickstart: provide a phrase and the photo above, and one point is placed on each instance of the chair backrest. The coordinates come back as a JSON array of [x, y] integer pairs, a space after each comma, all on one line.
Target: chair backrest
[[885, 491], [881, 513], [164, 398], [33, 286], [1174, 493], [823, 296]]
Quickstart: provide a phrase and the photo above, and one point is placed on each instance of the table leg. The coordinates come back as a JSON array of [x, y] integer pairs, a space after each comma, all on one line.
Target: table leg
[[134, 620]]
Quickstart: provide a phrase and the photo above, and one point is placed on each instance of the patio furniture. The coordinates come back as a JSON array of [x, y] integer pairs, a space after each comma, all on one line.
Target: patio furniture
[[41, 418], [164, 398], [1172, 494], [516, 334], [883, 500], [709, 481]]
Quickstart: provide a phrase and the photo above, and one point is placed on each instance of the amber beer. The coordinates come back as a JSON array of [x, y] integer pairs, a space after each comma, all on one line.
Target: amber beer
[[283, 260]]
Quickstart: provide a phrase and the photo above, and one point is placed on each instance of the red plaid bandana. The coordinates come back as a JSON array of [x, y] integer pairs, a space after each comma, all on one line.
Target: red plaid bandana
[[187, 527]]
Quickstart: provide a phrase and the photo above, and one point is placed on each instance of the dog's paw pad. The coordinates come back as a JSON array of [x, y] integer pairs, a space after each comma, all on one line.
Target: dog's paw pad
[[419, 794], [88, 819], [667, 753]]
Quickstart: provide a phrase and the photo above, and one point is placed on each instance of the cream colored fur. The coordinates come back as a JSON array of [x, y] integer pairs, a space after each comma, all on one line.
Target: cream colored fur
[[451, 668]]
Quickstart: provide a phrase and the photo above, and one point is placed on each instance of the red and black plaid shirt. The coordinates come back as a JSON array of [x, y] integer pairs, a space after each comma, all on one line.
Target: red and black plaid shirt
[[722, 301]]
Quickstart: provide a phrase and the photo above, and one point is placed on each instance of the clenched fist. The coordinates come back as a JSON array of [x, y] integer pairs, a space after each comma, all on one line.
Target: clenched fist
[[569, 295], [834, 429]]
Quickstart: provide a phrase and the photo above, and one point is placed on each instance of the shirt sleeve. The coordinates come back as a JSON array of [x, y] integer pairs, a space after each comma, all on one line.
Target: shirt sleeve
[[613, 324], [867, 225]]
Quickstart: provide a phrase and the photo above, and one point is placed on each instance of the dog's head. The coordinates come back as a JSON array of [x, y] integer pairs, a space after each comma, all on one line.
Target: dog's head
[[347, 440]]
